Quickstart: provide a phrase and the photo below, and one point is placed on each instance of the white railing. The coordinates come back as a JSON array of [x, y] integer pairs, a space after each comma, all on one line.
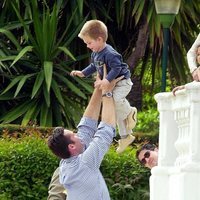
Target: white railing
[[177, 176]]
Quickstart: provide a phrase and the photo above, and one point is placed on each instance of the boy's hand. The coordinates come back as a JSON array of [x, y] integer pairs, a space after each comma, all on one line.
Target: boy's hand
[[77, 73]]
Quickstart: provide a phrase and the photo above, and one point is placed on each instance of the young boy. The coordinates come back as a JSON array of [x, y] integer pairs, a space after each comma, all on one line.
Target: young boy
[[94, 34]]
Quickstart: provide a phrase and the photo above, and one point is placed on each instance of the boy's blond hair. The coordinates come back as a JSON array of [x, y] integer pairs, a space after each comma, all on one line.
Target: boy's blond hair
[[94, 29]]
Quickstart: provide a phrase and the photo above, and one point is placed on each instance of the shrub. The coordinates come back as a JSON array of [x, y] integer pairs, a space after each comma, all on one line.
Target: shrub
[[148, 121], [125, 177], [14, 130], [26, 167]]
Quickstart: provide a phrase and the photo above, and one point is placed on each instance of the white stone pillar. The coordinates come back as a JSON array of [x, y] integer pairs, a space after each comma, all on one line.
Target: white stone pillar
[[159, 183], [184, 185], [168, 130], [168, 133], [194, 95], [181, 108]]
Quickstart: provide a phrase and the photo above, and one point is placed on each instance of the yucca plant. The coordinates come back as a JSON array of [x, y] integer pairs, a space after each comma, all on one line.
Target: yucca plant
[[40, 88], [34, 53]]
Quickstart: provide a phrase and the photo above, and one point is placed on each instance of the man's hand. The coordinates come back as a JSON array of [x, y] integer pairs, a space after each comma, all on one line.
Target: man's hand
[[97, 83], [77, 73], [196, 74], [101, 83], [107, 86]]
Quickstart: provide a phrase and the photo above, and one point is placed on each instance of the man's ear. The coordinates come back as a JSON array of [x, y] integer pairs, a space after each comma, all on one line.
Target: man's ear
[[72, 149], [71, 146]]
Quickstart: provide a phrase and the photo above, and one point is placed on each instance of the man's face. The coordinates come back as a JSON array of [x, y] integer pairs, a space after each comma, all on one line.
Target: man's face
[[77, 147], [149, 158]]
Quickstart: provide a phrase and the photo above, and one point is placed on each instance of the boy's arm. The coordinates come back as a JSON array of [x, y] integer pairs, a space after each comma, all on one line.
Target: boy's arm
[[115, 70], [90, 69], [115, 66]]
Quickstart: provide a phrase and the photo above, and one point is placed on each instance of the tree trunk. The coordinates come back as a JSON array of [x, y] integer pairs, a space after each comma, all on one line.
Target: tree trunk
[[135, 96], [139, 50]]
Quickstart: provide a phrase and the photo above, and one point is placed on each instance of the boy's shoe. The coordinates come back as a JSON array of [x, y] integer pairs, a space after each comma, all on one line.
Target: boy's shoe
[[123, 143], [131, 120]]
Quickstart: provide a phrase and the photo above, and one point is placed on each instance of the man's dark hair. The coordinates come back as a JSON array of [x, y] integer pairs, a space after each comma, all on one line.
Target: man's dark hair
[[147, 146], [58, 143]]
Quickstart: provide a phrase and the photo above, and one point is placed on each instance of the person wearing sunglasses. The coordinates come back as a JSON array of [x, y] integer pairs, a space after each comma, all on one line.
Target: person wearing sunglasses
[[147, 155]]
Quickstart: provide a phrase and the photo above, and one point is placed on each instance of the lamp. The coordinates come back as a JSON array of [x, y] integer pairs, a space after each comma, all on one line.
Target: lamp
[[166, 10]]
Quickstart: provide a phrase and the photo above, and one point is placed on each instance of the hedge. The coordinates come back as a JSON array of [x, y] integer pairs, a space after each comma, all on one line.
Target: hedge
[[26, 166]]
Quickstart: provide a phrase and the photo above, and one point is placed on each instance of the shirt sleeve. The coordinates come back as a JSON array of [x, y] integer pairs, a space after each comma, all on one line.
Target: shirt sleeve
[[191, 54], [115, 63], [100, 144], [86, 130]]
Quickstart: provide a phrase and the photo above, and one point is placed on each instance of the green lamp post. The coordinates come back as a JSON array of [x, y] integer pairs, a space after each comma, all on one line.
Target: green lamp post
[[166, 10]]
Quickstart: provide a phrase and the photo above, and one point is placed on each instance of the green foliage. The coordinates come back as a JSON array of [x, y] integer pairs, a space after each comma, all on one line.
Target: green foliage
[[148, 121], [36, 64], [125, 177], [38, 44], [26, 167], [148, 117]]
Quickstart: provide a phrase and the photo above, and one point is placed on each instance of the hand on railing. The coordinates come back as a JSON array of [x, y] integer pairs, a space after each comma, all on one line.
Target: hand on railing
[[178, 88]]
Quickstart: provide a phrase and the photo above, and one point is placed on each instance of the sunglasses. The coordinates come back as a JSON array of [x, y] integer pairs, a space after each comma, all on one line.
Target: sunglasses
[[146, 155]]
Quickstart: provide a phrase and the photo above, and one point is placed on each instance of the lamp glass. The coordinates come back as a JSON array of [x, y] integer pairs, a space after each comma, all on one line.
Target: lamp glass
[[167, 6]]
